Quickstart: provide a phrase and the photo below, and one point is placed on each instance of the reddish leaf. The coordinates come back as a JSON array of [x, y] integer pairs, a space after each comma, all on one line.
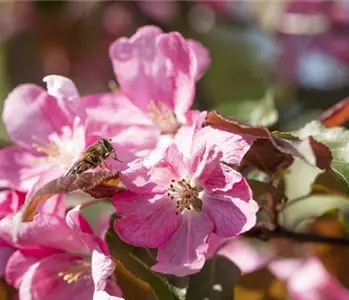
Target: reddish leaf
[[271, 153], [86, 182], [106, 189], [336, 115]]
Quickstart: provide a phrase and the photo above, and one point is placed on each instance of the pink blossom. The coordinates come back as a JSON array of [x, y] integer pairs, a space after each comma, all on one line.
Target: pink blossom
[[50, 132], [58, 259], [157, 73], [188, 194]]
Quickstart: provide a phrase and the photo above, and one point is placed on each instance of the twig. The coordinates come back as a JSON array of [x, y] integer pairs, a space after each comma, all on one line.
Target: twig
[[301, 237]]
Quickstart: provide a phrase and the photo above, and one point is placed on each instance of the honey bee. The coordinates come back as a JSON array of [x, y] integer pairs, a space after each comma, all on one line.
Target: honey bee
[[94, 156]]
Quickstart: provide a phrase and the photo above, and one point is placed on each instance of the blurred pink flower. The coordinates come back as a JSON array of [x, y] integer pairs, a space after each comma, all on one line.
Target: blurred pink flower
[[306, 277], [157, 73], [10, 202], [58, 258], [177, 201]]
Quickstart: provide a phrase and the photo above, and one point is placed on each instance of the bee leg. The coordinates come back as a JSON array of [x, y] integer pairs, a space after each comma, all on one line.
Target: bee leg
[[105, 166], [116, 158]]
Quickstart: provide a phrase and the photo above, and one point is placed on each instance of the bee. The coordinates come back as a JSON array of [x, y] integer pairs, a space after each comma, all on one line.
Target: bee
[[94, 156]]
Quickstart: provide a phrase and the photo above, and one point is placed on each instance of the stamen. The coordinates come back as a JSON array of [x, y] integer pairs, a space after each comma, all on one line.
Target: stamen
[[185, 195], [42, 147], [164, 118], [75, 273]]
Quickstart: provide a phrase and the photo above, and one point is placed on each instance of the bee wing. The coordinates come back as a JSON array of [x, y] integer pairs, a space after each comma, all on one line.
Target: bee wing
[[73, 169]]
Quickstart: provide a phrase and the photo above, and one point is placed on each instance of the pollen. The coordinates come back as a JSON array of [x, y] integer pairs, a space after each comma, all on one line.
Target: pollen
[[185, 195], [50, 149], [163, 118], [78, 270]]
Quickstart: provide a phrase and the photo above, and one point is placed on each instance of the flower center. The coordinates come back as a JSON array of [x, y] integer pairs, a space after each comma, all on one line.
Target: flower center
[[79, 269], [164, 118], [63, 149], [185, 195]]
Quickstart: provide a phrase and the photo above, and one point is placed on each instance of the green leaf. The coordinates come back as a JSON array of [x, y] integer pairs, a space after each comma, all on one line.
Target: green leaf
[[296, 214], [254, 112], [133, 258], [337, 139], [298, 186], [215, 281]]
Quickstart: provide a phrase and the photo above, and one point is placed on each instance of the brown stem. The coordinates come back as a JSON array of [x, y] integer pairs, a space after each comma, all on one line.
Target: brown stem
[[301, 237]]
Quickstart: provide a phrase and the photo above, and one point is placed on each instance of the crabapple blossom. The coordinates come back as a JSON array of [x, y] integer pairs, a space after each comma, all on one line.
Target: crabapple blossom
[[176, 203], [58, 258], [157, 73]]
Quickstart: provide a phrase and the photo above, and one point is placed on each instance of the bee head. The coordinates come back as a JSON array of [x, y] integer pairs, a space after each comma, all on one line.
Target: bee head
[[107, 145]]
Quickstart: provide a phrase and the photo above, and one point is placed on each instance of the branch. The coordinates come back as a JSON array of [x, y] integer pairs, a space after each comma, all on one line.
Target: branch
[[301, 237]]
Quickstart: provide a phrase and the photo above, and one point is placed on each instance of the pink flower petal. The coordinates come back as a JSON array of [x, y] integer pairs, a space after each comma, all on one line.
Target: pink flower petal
[[77, 221], [140, 68], [42, 281], [202, 57], [170, 167], [5, 254], [155, 67], [148, 220], [203, 161], [109, 109], [105, 118], [61, 87], [175, 48], [223, 178], [185, 252], [231, 216], [11, 163], [48, 232], [245, 254], [102, 295], [102, 267], [36, 107], [312, 281], [17, 266], [10, 202], [233, 146]]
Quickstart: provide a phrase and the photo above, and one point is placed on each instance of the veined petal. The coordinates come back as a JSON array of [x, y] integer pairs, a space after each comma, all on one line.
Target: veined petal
[[224, 180], [36, 107], [171, 166], [233, 146], [77, 221], [148, 220], [185, 252], [47, 232], [45, 279], [230, 216], [102, 295], [102, 267]]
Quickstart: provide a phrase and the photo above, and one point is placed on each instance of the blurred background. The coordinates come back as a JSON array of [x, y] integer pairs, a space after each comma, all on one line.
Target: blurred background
[[291, 53]]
